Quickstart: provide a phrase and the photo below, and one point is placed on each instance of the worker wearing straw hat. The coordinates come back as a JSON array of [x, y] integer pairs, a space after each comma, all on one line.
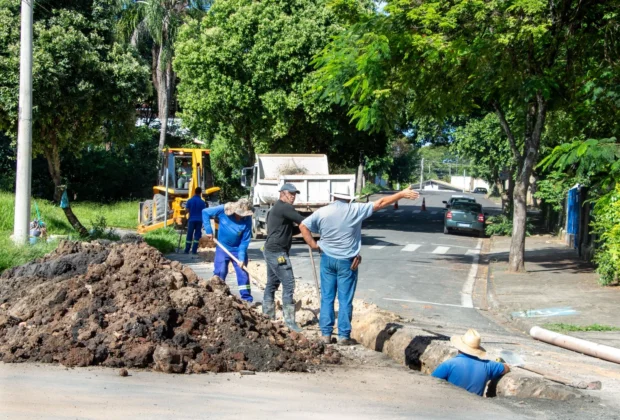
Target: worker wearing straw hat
[[235, 233], [469, 369]]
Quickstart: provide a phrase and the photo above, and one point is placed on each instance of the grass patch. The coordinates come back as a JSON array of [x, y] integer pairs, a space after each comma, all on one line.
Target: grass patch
[[95, 217], [579, 328], [12, 255], [165, 240], [123, 214]]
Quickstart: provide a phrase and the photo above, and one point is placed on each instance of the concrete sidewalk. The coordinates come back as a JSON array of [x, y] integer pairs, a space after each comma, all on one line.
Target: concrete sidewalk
[[557, 288]]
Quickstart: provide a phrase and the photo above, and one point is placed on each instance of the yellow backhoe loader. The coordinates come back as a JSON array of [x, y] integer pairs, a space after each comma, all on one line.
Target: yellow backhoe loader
[[182, 170]]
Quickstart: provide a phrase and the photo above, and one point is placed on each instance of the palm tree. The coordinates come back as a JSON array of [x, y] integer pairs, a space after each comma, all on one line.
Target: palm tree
[[157, 22]]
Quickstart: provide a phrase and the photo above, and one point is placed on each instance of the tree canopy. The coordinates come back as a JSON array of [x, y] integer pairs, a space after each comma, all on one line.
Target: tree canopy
[[444, 59], [244, 71], [85, 85]]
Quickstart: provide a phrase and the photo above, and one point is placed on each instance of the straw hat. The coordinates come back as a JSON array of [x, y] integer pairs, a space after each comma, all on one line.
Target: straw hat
[[469, 344], [242, 208]]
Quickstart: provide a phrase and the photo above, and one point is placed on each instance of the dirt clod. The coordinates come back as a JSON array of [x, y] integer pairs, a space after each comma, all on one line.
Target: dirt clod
[[123, 372], [124, 305]]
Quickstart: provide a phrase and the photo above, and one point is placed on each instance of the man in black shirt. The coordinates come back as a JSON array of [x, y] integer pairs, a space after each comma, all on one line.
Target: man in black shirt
[[277, 246]]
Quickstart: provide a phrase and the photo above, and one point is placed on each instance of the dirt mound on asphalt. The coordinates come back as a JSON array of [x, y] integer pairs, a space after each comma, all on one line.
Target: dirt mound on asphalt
[[125, 305]]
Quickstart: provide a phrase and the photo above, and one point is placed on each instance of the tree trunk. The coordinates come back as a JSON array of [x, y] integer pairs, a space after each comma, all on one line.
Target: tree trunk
[[519, 219], [535, 122], [164, 77], [53, 163], [359, 177]]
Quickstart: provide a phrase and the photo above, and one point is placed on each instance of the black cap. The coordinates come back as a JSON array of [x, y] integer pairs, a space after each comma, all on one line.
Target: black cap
[[290, 188]]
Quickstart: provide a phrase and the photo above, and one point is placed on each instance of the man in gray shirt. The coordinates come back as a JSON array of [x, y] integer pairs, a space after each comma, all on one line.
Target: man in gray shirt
[[340, 228]]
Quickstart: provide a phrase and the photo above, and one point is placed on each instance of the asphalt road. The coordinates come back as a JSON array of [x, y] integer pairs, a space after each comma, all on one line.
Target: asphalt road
[[409, 265]]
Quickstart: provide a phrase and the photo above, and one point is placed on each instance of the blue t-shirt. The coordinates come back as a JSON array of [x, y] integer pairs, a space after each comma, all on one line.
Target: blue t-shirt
[[469, 372], [340, 227], [234, 235], [195, 206]]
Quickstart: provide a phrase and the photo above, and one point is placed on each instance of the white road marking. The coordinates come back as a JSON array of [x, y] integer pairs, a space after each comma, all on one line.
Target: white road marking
[[441, 250], [410, 247], [435, 267], [256, 245], [416, 211], [430, 303], [468, 287], [453, 246], [380, 245], [399, 211], [381, 211], [434, 212]]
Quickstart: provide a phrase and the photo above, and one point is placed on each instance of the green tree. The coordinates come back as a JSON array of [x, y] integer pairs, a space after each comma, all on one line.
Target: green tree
[[155, 23], [244, 71], [482, 141], [451, 58], [85, 85]]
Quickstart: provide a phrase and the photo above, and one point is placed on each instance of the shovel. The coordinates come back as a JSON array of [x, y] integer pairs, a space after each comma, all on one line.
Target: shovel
[[239, 263], [514, 360], [316, 280]]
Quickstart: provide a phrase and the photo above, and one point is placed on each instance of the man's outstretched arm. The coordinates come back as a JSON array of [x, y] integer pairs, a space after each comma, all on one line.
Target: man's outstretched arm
[[408, 194]]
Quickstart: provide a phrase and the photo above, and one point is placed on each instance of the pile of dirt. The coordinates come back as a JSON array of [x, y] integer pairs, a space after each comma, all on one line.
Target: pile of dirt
[[125, 305]]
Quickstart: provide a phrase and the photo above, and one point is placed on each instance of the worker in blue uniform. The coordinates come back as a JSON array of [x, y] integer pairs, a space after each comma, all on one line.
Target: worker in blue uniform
[[235, 233], [194, 206]]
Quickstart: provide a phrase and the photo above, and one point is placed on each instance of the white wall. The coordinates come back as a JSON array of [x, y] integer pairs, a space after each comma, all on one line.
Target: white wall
[[468, 183]]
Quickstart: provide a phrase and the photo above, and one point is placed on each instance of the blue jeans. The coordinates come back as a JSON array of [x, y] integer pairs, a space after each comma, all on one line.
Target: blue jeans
[[337, 277], [220, 269], [279, 274], [194, 232]]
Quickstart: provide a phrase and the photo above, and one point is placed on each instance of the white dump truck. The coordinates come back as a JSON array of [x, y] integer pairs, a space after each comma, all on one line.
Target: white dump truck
[[308, 173]]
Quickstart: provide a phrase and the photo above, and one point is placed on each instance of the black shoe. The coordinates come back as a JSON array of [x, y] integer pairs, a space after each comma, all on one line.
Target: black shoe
[[343, 341], [326, 339]]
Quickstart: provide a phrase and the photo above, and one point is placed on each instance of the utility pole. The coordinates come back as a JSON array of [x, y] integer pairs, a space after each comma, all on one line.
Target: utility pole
[[422, 174], [21, 225]]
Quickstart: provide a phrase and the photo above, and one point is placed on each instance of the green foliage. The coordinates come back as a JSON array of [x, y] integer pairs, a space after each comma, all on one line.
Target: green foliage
[[482, 141], [595, 159], [371, 188], [554, 188], [100, 230], [165, 240], [607, 226], [501, 225], [244, 72], [86, 85], [561, 327]]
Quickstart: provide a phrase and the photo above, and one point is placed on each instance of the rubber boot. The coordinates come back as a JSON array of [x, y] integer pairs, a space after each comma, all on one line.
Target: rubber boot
[[269, 309], [289, 317]]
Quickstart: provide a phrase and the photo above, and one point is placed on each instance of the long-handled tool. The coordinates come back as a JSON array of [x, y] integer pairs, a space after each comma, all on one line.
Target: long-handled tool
[[514, 360], [316, 280], [239, 263]]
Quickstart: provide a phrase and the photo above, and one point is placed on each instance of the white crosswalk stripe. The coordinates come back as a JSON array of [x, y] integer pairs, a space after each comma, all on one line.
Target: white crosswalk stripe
[[399, 211], [381, 211], [411, 247], [441, 250], [416, 211], [379, 245], [434, 212]]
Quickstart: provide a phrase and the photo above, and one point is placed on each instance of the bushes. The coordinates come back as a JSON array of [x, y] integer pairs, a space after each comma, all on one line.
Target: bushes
[[607, 227], [501, 225]]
